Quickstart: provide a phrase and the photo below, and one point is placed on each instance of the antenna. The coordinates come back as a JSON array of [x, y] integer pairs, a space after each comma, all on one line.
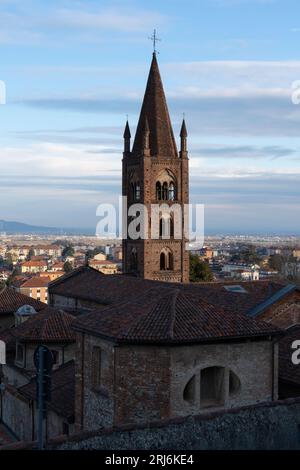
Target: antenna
[[154, 39]]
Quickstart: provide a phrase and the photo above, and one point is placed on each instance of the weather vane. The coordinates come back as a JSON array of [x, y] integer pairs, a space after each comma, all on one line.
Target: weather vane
[[154, 39]]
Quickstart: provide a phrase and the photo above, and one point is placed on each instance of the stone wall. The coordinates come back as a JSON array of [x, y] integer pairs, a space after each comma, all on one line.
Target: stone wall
[[251, 362], [141, 383], [269, 426]]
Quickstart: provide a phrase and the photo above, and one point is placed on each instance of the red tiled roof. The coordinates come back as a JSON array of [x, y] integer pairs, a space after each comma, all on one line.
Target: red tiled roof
[[89, 284], [289, 372], [49, 326], [62, 390], [10, 301], [168, 315], [95, 262], [34, 264], [36, 281]]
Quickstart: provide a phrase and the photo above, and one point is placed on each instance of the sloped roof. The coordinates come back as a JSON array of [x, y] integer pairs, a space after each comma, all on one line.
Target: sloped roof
[[62, 390], [89, 284], [168, 315], [155, 114], [49, 326], [36, 281], [10, 301]]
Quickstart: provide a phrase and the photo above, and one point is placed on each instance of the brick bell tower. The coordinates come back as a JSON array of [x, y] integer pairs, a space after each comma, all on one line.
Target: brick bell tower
[[155, 173]]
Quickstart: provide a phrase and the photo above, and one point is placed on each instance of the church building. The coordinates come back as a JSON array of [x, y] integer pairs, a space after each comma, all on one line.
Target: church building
[[154, 172]]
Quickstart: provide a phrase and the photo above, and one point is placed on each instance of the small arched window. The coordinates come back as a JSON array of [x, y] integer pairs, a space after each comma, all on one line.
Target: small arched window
[[166, 260], [165, 227]]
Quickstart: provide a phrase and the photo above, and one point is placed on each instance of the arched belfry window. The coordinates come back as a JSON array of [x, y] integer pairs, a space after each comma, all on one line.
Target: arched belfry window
[[135, 187], [166, 260], [165, 188], [166, 227]]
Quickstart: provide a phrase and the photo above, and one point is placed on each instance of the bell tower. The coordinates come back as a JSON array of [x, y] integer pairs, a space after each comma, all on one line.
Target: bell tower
[[155, 173]]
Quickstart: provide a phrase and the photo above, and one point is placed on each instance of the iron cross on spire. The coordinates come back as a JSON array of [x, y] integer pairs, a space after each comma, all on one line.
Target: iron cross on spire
[[154, 39]]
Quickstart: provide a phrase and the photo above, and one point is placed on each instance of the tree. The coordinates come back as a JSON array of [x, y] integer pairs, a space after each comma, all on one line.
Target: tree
[[68, 251], [276, 262], [30, 254], [68, 267], [9, 260], [199, 270]]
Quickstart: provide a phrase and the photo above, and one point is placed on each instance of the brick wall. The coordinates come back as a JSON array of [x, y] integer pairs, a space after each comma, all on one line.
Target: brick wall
[[141, 383]]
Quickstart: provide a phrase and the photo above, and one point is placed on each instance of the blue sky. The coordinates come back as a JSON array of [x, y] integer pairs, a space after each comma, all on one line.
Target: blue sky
[[74, 69]]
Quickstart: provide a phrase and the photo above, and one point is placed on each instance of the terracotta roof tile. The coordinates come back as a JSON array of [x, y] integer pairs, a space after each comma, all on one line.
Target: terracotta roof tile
[[50, 325], [168, 315], [10, 301], [36, 281], [89, 284]]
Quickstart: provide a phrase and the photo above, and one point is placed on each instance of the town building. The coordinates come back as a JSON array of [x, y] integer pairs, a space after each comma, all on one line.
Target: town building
[[10, 302], [34, 267], [35, 287], [104, 266], [18, 406]]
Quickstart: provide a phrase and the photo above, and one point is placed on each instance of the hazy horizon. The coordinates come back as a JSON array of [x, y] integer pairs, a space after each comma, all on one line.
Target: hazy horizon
[[74, 70]]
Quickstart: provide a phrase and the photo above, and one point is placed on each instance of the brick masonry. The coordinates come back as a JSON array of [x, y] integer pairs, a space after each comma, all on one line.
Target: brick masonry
[[147, 382]]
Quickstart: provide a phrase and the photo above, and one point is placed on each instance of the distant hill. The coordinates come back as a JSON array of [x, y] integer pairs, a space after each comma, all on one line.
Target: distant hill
[[20, 228]]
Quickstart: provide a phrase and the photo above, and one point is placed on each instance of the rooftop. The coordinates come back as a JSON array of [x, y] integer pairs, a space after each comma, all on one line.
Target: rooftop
[[169, 315], [36, 281], [11, 301], [48, 326], [89, 284]]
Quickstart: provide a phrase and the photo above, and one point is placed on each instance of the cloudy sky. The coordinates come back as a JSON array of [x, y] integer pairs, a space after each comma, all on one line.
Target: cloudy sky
[[74, 69]]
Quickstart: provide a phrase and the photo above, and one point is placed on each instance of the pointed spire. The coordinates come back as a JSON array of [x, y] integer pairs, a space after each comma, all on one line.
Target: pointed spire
[[183, 140], [183, 131], [127, 134], [161, 138], [127, 137]]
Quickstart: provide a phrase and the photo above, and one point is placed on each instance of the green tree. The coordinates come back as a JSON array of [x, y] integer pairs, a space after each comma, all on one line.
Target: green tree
[[199, 270], [68, 267], [276, 262], [30, 254], [9, 260], [68, 251]]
